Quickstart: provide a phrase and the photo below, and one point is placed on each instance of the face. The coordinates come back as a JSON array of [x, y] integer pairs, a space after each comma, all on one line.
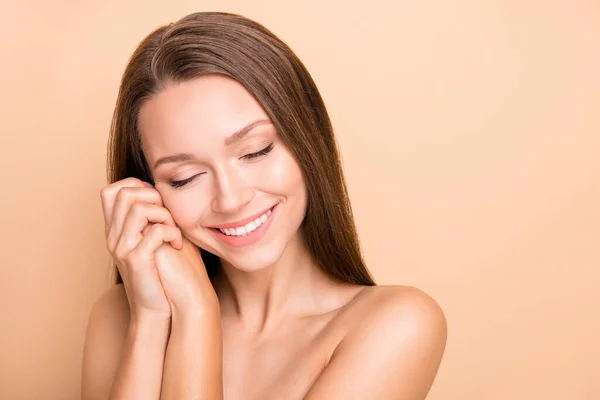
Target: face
[[241, 195]]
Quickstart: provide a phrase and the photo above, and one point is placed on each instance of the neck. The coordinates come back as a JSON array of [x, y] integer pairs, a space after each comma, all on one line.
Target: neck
[[258, 300]]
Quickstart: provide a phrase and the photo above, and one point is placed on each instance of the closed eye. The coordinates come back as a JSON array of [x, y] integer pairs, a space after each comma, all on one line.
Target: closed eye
[[261, 153], [251, 156], [178, 184]]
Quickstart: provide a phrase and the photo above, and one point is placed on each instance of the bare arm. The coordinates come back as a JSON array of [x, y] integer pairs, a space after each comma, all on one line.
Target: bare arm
[[394, 353], [193, 364], [136, 226], [122, 359], [139, 374]]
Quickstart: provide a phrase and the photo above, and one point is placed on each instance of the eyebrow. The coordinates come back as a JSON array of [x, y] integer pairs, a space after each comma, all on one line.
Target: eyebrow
[[231, 139]]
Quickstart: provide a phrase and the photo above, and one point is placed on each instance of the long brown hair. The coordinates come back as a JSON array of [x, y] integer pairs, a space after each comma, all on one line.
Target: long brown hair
[[242, 49]]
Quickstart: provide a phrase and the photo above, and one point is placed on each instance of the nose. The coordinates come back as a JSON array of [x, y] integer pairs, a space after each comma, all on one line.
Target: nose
[[232, 192]]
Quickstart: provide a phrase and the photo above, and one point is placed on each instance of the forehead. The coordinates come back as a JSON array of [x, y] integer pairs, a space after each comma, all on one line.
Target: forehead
[[207, 108]]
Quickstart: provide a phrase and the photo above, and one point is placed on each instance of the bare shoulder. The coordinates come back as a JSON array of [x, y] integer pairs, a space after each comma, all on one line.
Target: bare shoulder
[[402, 307], [394, 339], [404, 312], [404, 300], [106, 332]]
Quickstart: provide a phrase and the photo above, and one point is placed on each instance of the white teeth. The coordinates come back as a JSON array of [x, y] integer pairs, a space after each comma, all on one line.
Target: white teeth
[[249, 227]]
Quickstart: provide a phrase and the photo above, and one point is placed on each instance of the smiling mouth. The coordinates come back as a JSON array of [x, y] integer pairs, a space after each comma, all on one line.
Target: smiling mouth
[[250, 227], [243, 235], [244, 226]]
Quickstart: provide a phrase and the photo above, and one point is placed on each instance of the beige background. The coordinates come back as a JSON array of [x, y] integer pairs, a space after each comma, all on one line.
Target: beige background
[[470, 133]]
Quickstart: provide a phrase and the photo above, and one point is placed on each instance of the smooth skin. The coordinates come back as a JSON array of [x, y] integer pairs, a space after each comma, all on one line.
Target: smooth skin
[[173, 311], [271, 325]]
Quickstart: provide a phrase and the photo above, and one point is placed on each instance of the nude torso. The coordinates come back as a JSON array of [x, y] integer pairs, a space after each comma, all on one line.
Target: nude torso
[[285, 365]]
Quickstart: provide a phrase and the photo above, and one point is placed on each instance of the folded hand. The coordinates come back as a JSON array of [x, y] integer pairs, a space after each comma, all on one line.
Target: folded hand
[[185, 280]]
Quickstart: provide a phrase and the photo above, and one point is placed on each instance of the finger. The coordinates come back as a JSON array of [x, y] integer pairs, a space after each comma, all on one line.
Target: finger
[[125, 198], [108, 195], [140, 218], [146, 229], [156, 236]]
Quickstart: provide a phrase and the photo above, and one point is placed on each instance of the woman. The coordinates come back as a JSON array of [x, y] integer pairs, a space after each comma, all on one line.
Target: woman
[[221, 142]]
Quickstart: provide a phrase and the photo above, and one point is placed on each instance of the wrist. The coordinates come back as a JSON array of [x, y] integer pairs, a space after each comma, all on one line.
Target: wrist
[[147, 325], [195, 313], [197, 304]]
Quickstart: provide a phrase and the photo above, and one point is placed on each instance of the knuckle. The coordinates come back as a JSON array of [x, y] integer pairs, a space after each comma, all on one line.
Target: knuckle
[[106, 194], [132, 180], [124, 194], [154, 196], [158, 229], [138, 209], [110, 189], [128, 182]]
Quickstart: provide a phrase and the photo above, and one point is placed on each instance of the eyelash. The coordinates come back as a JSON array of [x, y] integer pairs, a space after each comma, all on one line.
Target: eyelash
[[251, 156], [261, 153]]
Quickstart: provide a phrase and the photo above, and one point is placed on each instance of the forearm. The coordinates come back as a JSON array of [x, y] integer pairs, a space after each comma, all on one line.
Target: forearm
[[140, 370], [193, 364]]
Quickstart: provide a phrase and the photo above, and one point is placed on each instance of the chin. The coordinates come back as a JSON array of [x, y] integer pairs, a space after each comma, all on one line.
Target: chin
[[255, 259], [259, 255], [247, 259]]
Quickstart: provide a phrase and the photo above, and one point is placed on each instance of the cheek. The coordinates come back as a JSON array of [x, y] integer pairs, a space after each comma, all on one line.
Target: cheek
[[185, 208], [284, 175]]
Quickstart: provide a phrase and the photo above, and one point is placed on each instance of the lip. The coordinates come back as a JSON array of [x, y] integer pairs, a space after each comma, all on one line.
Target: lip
[[253, 237], [240, 222]]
